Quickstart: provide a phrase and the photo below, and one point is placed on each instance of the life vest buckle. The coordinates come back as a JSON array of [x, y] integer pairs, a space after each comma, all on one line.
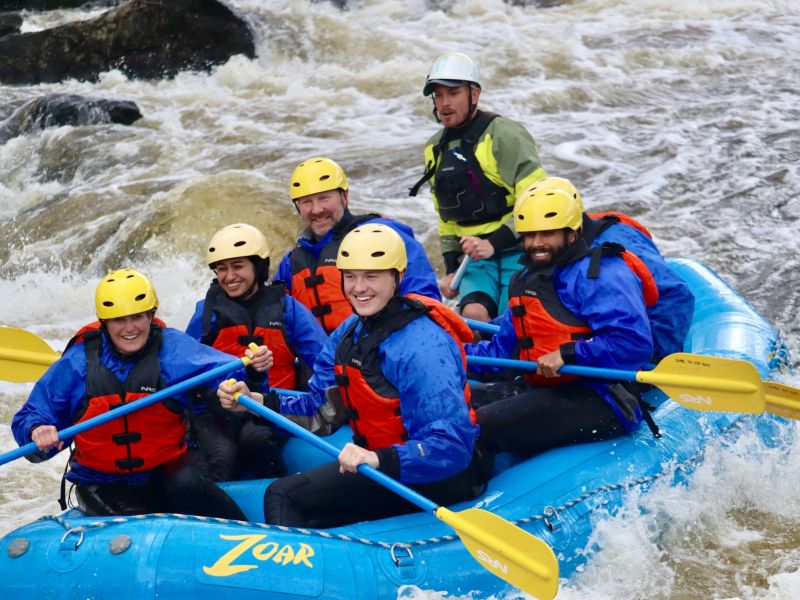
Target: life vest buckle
[[128, 464], [124, 439]]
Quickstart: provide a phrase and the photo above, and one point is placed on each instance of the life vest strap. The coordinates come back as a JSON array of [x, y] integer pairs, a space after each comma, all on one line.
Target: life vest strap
[[126, 464], [246, 340], [314, 280], [321, 310], [123, 439], [518, 310]]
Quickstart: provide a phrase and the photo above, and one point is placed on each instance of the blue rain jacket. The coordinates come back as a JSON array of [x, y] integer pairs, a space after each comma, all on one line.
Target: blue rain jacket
[[58, 394], [423, 362], [611, 305], [671, 316]]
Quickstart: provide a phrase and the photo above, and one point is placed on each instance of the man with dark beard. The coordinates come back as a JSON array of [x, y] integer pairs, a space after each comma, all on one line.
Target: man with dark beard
[[569, 305]]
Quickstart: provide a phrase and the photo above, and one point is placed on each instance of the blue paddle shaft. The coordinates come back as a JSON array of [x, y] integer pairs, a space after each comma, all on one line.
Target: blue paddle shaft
[[125, 409], [524, 365], [481, 326], [328, 448]]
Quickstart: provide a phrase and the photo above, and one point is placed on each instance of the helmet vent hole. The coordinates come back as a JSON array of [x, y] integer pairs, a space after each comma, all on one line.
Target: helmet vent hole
[[108, 303], [296, 184], [378, 254], [550, 215], [239, 244], [324, 177], [140, 297], [212, 249], [345, 253]]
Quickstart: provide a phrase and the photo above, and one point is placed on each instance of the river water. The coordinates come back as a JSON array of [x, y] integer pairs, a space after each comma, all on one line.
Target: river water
[[685, 114]]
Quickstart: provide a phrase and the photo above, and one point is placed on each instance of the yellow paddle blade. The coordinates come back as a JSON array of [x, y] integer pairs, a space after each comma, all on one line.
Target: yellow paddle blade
[[511, 553], [24, 356], [782, 400], [708, 383]]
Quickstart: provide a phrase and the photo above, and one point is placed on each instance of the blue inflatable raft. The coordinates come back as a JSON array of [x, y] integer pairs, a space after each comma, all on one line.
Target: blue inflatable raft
[[555, 496]]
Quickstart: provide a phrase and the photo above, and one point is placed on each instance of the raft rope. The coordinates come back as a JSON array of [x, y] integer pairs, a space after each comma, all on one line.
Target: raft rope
[[545, 516]]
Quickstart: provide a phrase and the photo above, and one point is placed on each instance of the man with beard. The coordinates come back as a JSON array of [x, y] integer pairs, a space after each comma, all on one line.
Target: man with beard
[[569, 305], [319, 190], [477, 164]]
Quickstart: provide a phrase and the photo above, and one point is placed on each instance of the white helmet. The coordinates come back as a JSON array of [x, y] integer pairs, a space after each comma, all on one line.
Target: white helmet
[[452, 69]]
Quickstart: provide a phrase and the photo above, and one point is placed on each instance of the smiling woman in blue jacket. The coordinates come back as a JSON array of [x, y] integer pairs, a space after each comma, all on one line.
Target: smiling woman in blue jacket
[[410, 413], [138, 463]]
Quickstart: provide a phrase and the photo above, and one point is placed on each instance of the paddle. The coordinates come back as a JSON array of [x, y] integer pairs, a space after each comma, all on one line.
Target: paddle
[[693, 380], [24, 356], [511, 553], [456, 281], [782, 400], [125, 409], [481, 326]]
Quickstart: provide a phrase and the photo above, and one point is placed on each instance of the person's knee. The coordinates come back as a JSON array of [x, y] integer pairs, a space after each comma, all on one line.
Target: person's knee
[[478, 306], [279, 503], [476, 312]]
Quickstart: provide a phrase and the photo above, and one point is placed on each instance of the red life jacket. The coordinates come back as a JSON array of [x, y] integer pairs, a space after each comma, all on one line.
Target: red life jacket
[[141, 440], [236, 327], [541, 321], [371, 402], [317, 283]]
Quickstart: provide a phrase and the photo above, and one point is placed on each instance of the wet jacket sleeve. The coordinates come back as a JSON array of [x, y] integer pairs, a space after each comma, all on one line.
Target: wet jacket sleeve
[[613, 307], [304, 331], [318, 409], [195, 327], [182, 357], [54, 399], [284, 272], [424, 364], [671, 316]]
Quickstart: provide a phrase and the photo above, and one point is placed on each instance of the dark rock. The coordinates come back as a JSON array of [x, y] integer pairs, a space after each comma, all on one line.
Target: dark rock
[[9, 23], [67, 109], [50, 4], [147, 39]]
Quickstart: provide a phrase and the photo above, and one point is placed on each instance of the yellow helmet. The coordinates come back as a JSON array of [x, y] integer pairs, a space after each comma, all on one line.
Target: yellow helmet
[[372, 247], [236, 241], [557, 183], [316, 175], [123, 293], [543, 209]]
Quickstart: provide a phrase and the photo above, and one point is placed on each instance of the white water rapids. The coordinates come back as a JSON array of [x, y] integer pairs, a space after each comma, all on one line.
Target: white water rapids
[[685, 114]]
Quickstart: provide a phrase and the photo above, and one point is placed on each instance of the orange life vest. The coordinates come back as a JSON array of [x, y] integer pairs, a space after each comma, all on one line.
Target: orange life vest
[[371, 402], [542, 322], [236, 327], [141, 440]]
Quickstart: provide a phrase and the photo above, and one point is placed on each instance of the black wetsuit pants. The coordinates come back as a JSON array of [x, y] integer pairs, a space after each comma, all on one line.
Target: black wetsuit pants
[[323, 497], [180, 486], [517, 416], [238, 445]]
